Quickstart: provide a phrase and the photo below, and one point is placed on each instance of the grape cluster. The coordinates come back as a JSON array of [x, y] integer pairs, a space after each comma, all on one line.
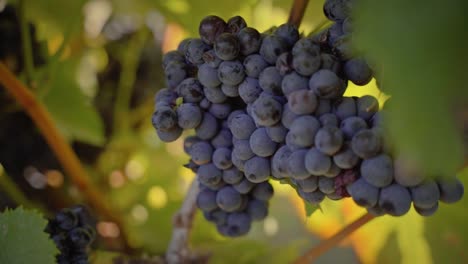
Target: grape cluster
[[271, 106], [72, 231]]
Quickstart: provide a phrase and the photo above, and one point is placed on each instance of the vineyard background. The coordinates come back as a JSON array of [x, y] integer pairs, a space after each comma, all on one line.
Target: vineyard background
[[96, 66]]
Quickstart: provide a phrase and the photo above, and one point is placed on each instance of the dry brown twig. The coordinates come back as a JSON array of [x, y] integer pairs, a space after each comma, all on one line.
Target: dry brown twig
[[178, 250]]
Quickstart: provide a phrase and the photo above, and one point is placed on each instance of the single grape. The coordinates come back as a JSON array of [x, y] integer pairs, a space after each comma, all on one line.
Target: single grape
[[171, 56], [208, 76], [303, 130], [313, 198], [293, 82], [329, 119], [337, 10], [270, 80], [244, 186], [182, 47], [306, 63], [363, 193], [395, 200], [306, 45], [216, 216], [367, 107], [222, 139], [263, 191], [170, 135], [231, 72], [351, 125], [277, 133], [232, 175], [222, 158], [175, 73], [242, 126], [254, 65], [316, 162], [238, 224], [345, 107], [227, 46], [309, 184], [242, 149], [345, 158], [257, 169], [189, 115], [366, 143], [214, 95], [228, 199], [257, 210], [272, 46], [266, 111], [326, 84], [205, 104], [357, 71], [201, 152], [207, 128], [334, 32], [220, 111], [206, 200], [427, 211], [209, 175], [164, 119], [302, 102], [279, 162], [230, 90], [250, 41], [451, 190], [190, 90], [195, 50], [425, 195], [330, 62], [210, 28], [236, 24], [289, 33], [165, 98], [210, 59], [189, 142], [249, 90], [261, 144], [378, 170], [237, 162], [326, 185], [296, 165]]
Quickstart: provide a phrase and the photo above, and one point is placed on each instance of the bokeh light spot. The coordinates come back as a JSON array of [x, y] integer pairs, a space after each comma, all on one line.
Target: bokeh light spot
[[116, 179], [157, 197], [270, 226], [108, 229], [54, 178], [139, 213]]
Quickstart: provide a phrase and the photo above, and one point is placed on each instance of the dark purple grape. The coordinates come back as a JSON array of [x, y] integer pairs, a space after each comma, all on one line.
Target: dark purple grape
[[210, 28]]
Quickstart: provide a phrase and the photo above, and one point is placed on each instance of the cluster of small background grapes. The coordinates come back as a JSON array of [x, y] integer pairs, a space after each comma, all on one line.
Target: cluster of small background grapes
[[72, 231], [271, 106]]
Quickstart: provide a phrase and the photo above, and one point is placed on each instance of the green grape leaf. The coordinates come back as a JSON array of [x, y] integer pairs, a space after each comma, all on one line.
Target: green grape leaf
[[420, 57], [73, 112], [23, 240], [310, 209]]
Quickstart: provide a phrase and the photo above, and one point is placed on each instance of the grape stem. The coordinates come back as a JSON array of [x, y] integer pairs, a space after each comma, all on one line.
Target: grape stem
[[62, 149], [26, 43], [178, 250], [297, 12], [311, 255]]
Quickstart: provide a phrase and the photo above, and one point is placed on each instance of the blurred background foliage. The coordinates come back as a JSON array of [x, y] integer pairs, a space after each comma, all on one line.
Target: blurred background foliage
[[96, 65]]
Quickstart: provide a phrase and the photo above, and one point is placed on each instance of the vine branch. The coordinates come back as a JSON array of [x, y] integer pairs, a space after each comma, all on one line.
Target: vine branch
[[59, 146], [178, 250], [312, 255], [297, 12]]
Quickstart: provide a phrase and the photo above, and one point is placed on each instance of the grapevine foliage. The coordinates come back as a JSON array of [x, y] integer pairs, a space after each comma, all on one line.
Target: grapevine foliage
[[22, 239]]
